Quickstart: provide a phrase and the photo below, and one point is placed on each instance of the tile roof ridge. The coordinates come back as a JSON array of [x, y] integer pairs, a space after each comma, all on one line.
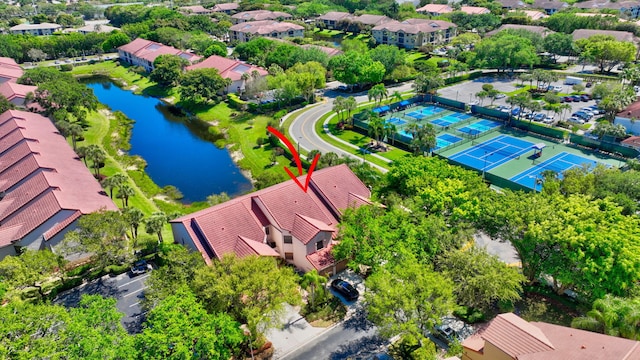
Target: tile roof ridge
[[314, 222], [525, 326]]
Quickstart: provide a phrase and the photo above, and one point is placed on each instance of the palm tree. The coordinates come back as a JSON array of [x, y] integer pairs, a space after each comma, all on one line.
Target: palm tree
[[390, 130], [155, 223], [82, 153], [339, 105], [534, 106], [482, 95], [377, 93], [124, 193], [350, 104], [563, 108], [396, 96], [134, 217], [97, 157], [376, 128], [114, 181], [427, 83], [75, 131], [313, 280], [612, 316]]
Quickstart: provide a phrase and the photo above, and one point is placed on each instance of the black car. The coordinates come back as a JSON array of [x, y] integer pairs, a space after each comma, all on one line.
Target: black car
[[445, 333], [140, 267], [345, 289]]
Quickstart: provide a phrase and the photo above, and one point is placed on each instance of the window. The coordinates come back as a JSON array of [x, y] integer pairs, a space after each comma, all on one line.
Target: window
[[288, 239], [319, 245], [288, 256]]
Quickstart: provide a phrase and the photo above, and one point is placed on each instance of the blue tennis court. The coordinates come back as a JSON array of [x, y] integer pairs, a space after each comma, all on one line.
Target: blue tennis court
[[425, 112], [560, 163], [479, 127], [396, 121], [445, 140], [493, 153], [450, 119]]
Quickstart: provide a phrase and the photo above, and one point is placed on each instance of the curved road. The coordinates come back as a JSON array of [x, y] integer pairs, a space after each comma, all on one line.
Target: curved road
[[302, 129]]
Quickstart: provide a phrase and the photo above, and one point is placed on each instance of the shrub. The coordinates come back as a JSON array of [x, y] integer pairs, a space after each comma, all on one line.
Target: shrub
[[469, 315], [66, 67]]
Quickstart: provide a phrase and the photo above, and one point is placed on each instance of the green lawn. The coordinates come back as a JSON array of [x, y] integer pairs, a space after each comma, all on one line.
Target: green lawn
[[128, 79], [415, 55], [327, 32]]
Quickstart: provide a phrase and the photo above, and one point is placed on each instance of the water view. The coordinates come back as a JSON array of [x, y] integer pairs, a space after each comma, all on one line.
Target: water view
[[177, 152]]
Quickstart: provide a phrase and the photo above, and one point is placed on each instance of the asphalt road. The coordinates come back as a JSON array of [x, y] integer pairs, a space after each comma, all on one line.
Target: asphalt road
[[302, 129], [127, 290], [354, 338]]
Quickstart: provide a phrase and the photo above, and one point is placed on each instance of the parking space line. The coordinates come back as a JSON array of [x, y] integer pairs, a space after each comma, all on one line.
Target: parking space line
[[134, 304], [132, 281], [133, 292]]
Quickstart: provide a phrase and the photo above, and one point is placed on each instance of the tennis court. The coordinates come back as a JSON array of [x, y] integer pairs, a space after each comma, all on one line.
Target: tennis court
[[479, 127], [451, 119], [559, 163], [493, 153], [444, 140], [396, 121], [425, 112]]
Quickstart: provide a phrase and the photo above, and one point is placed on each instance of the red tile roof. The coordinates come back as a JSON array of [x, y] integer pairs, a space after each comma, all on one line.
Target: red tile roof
[[474, 10], [228, 68], [617, 35], [9, 69], [61, 226], [633, 141], [150, 50], [306, 228], [258, 15], [415, 26], [12, 90], [42, 176], [219, 227], [264, 27], [325, 49], [225, 7], [435, 9], [522, 340], [322, 258], [632, 111]]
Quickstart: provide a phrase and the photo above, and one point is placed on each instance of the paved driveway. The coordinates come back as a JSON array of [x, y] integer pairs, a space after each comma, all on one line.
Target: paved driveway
[[127, 290]]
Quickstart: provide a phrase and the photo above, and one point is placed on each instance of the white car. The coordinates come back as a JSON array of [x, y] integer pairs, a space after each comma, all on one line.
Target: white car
[[474, 102], [501, 96], [557, 88], [575, 120], [548, 119]]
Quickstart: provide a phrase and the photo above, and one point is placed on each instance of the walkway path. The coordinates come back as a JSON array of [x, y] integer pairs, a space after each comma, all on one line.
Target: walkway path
[[302, 129]]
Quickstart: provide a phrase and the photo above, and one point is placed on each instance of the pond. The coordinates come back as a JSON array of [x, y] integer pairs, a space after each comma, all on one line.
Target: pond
[[178, 152]]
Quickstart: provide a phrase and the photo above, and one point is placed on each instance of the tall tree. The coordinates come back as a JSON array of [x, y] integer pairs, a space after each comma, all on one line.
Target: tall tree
[[155, 223], [253, 290], [202, 85], [428, 83], [314, 282], [613, 316], [378, 92], [167, 69]]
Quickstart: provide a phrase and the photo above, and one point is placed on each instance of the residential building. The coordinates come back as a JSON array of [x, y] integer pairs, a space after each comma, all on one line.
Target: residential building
[[196, 10], [508, 337], [513, 4], [227, 8], [331, 52], [45, 188], [229, 69], [632, 142], [629, 8], [543, 31], [435, 9], [280, 221], [413, 33], [549, 6], [259, 15], [9, 70], [475, 10], [98, 28], [16, 93], [618, 35], [629, 118], [532, 14], [35, 29], [141, 52], [366, 22], [332, 20], [244, 32]]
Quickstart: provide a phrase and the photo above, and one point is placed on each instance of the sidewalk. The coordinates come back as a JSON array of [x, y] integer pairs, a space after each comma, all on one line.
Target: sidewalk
[[295, 332]]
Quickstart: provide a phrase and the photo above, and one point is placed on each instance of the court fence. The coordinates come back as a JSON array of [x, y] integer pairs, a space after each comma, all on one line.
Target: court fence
[[538, 129], [489, 113], [614, 149]]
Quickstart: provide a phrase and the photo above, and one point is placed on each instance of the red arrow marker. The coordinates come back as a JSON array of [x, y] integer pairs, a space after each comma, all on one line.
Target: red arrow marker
[[296, 158]]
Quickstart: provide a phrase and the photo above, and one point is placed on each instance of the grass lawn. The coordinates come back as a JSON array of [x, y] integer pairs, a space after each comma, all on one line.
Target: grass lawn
[[415, 55], [128, 79], [327, 32]]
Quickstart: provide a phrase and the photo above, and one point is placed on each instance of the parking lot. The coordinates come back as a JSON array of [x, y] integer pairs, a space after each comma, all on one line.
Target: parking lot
[[504, 83], [128, 290]]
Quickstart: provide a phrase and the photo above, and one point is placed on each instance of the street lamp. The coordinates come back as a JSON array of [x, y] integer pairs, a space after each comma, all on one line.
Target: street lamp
[[299, 139]]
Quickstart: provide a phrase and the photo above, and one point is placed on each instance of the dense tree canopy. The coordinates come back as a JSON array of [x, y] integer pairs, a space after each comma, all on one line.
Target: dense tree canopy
[[202, 85], [356, 69], [506, 51]]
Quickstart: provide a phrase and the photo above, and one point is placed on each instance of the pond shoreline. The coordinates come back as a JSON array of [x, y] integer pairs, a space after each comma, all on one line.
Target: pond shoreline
[[203, 135]]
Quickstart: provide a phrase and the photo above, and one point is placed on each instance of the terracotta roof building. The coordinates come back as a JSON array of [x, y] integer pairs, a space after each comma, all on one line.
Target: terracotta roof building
[[629, 118], [474, 10], [632, 142], [245, 31], [196, 10], [332, 20], [435, 9], [259, 15], [98, 28], [16, 93], [44, 186], [510, 337], [587, 33], [9, 70], [325, 49], [35, 29], [543, 31], [227, 8], [549, 6], [143, 52], [413, 33], [280, 220], [229, 69], [533, 14]]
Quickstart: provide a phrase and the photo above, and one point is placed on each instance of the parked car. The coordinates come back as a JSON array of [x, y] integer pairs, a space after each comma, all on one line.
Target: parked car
[[585, 97], [140, 267], [568, 98], [589, 111], [549, 119], [557, 88], [515, 111], [474, 102], [501, 96], [575, 120], [345, 289], [576, 98], [445, 333], [539, 117], [589, 84], [583, 115]]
